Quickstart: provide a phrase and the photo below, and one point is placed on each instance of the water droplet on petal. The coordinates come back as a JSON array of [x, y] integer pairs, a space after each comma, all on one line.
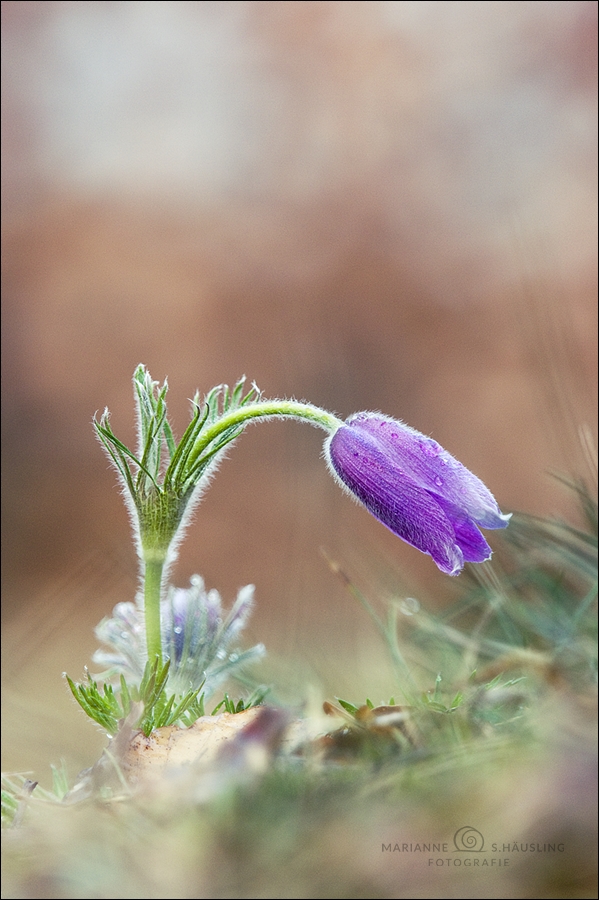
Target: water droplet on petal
[[439, 481], [409, 606], [429, 448]]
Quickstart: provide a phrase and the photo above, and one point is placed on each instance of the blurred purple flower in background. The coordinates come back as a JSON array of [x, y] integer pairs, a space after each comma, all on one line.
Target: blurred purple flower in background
[[198, 637], [416, 488]]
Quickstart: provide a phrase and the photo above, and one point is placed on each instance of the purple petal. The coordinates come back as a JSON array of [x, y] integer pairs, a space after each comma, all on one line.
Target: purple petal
[[468, 537], [392, 496], [431, 467], [472, 543]]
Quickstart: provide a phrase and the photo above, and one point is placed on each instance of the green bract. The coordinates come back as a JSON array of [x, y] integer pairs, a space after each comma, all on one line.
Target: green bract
[[162, 479]]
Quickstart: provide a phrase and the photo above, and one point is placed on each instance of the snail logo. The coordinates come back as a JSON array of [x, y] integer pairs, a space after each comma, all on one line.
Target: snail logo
[[468, 840]]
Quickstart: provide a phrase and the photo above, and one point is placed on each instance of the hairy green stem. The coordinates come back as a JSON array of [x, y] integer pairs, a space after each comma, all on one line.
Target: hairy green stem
[[152, 585], [288, 409]]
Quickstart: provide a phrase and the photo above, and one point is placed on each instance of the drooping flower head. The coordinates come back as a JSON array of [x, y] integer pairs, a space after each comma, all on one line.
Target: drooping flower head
[[416, 488]]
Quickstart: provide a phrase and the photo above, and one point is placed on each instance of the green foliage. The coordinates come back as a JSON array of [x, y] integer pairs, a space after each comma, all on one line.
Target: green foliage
[[255, 699], [10, 803], [352, 709], [347, 706], [150, 703], [18, 789], [163, 469], [157, 708]]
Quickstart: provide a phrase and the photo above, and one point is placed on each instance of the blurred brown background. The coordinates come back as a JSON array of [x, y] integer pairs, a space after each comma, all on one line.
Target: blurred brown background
[[374, 205]]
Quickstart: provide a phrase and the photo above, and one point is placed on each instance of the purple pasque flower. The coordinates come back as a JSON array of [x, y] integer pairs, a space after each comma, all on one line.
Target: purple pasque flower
[[416, 488]]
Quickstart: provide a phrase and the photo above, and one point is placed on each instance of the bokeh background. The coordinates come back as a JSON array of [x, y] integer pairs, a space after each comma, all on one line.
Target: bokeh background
[[378, 205]]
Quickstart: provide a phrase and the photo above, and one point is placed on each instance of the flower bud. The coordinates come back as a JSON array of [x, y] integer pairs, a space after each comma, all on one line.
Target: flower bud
[[416, 488]]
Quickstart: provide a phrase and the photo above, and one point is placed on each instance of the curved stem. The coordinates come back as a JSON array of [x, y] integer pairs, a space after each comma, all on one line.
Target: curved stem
[[282, 409]]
